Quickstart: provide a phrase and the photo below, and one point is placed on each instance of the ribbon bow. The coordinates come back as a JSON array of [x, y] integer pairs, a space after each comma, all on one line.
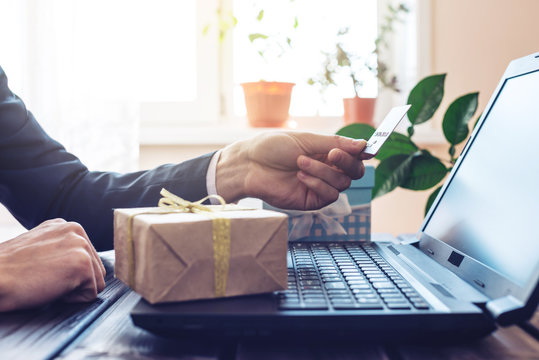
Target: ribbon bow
[[170, 203]]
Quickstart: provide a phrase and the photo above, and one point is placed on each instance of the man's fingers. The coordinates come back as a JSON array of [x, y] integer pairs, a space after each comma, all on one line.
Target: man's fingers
[[329, 175], [77, 228], [326, 194], [94, 267], [83, 275], [322, 144], [349, 164]]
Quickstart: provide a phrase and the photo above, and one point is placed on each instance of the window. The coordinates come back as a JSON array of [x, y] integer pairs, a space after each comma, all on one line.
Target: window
[[318, 22], [95, 67], [115, 64]]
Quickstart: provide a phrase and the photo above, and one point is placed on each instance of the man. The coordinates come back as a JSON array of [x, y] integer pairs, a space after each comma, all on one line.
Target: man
[[40, 181]]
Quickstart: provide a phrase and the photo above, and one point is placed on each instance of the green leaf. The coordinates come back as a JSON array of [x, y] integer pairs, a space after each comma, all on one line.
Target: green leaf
[[254, 36], [452, 150], [343, 58], [206, 29], [357, 131], [425, 98], [457, 116], [396, 144], [295, 22], [260, 15], [425, 172], [431, 199], [390, 173]]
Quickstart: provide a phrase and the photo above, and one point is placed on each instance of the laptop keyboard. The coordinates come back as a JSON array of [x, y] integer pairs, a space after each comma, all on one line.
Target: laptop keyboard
[[340, 276]]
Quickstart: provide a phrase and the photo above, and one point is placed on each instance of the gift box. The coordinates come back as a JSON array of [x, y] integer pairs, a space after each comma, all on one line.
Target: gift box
[[175, 256], [347, 219]]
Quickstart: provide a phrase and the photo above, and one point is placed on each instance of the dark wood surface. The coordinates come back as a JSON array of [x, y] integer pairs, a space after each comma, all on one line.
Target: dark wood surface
[[103, 330]]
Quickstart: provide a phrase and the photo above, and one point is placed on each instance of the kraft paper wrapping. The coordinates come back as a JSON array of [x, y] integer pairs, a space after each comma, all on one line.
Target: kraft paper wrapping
[[173, 253]]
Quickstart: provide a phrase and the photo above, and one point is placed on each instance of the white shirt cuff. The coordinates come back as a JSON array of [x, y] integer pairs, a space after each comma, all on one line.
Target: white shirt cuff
[[210, 177]]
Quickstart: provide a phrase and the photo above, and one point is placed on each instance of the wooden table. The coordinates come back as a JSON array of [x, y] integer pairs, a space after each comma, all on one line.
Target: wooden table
[[58, 332]]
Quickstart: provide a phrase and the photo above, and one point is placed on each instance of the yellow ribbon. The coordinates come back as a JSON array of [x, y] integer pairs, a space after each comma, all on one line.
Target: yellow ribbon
[[171, 203]]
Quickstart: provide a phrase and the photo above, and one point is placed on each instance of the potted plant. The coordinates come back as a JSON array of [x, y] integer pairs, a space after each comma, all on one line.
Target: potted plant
[[268, 102], [402, 162], [342, 65]]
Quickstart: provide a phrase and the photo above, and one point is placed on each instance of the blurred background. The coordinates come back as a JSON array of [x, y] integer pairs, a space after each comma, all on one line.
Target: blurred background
[[131, 84]]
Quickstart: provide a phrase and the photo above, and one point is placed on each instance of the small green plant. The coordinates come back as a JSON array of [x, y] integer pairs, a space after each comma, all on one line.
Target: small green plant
[[272, 46], [402, 162], [343, 63]]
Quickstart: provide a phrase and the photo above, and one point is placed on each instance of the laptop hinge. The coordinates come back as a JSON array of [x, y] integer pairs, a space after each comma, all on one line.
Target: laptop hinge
[[506, 310]]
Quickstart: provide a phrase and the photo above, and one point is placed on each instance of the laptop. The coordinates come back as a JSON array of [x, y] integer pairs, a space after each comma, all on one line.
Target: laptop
[[474, 264]]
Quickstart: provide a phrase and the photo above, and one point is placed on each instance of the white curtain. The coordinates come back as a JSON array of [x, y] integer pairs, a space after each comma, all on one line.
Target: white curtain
[[77, 66]]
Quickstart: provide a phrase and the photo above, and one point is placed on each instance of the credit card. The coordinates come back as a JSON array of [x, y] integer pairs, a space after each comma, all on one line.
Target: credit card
[[385, 129]]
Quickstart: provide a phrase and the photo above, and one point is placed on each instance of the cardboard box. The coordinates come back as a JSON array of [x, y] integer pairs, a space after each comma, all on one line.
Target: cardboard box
[[172, 255]]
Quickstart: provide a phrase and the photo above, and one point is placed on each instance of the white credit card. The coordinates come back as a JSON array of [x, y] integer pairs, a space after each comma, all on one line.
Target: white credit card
[[385, 129]]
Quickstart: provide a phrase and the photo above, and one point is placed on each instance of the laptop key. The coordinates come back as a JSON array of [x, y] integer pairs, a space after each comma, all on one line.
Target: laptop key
[[354, 277], [395, 306], [368, 301], [357, 282], [311, 287], [388, 291], [310, 282], [383, 285], [335, 285], [395, 300], [394, 295], [420, 305], [337, 291], [363, 291], [312, 291], [359, 287]]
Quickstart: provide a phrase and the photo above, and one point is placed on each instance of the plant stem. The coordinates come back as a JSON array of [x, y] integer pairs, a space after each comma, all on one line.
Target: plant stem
[[355, 82]]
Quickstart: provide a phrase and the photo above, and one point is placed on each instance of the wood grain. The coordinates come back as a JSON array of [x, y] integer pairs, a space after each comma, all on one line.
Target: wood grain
[[115, 336], [505, 343]]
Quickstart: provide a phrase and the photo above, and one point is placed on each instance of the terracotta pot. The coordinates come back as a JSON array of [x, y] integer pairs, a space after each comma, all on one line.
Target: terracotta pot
[[359, 110], [267, 103]]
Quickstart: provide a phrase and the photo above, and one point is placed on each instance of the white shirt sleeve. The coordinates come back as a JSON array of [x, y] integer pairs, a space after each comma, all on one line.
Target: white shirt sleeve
[[210, 177]]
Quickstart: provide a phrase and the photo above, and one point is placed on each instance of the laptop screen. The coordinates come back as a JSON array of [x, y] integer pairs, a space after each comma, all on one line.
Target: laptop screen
[[490, 209]]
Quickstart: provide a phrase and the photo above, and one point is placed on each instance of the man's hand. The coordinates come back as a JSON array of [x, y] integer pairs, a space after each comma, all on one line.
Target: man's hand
[[54, 260], [290, 170]]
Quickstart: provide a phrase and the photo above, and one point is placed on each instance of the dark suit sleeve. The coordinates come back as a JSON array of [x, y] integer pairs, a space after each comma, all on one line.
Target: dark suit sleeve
[[40, 180]]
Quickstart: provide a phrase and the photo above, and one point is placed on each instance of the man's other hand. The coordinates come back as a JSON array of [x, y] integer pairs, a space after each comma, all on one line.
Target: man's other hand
[[53, 260], [290, 170]]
